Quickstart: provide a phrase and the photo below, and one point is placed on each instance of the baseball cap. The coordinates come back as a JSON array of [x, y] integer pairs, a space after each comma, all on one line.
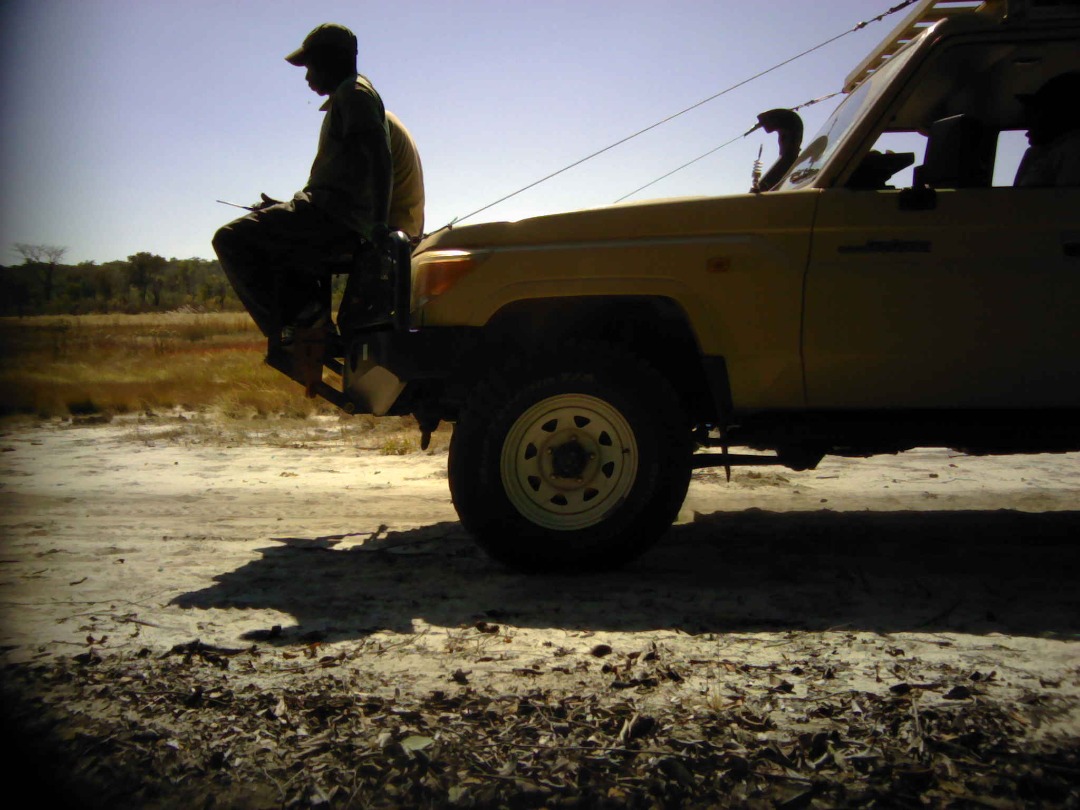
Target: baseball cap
[[328, 38]]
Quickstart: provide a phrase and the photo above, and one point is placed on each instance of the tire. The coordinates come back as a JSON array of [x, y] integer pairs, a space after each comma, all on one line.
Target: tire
[[577, 461]]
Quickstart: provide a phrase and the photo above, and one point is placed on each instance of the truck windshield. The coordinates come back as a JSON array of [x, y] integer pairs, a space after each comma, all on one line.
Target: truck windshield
[[846, 118]]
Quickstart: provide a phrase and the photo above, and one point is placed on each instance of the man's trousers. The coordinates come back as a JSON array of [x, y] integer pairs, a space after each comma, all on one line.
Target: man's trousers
[[271, 258]]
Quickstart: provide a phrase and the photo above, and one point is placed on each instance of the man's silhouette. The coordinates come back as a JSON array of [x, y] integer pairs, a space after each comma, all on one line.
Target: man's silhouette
[[269, 254], [1052, 115]]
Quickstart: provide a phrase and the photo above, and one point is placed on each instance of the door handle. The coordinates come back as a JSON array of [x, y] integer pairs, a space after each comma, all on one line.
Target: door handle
[[918, 198]]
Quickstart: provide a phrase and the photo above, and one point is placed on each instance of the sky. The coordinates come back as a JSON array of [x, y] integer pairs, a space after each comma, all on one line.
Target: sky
[[124, 120]]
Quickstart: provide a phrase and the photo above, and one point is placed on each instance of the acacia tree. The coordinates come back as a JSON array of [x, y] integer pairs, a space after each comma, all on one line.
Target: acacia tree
[[144, 273], [43, 259]]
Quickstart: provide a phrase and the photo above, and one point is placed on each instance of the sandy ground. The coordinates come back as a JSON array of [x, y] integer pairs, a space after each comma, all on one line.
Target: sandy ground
[[927, 571]]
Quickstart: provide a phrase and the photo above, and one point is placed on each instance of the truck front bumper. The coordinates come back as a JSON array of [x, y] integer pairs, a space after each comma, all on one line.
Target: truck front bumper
[[380, 365]]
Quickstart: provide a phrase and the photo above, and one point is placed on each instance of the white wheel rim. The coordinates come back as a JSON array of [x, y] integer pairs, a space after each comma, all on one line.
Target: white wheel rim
[[569, 461]]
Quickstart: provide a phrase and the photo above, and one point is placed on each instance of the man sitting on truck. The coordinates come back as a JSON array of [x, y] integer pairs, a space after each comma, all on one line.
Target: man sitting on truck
[[267, 255], [1052, 114]]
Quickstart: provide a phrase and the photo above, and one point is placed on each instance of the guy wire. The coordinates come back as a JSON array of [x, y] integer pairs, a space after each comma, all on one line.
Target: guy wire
[[620, 142], [805, 104]]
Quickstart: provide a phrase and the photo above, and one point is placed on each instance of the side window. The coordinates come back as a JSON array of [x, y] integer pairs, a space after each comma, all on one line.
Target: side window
[[959, 153], [1010, 149], [891, 162]]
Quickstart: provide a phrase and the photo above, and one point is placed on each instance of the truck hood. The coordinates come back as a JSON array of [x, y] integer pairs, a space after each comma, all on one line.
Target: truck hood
[[681, 217]]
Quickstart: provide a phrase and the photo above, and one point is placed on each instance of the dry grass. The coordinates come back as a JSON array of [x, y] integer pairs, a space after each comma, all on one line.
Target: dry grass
[[318, 432], [398, 445], [116, 364], [208, 365], [121, 364]]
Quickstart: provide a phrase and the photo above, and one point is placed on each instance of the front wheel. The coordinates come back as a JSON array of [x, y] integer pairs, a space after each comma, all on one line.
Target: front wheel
[[578, 464]]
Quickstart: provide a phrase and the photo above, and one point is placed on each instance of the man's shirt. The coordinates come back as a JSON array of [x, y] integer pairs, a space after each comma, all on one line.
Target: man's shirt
[[350, 176], [1055, 164], [407, 194]]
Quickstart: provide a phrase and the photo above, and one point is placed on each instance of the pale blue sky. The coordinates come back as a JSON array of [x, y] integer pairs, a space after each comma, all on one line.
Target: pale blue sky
[[125, 119]]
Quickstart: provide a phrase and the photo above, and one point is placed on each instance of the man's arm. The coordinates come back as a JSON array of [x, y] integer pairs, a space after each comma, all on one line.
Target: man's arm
[[364, 129], [376, 167]]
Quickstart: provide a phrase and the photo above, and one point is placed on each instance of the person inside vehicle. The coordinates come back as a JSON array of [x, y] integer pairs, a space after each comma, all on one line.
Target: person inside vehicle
[[268, 255], [1052, 115]]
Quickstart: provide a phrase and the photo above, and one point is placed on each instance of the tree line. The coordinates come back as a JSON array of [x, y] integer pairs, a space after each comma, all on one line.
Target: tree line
[[144, 282]]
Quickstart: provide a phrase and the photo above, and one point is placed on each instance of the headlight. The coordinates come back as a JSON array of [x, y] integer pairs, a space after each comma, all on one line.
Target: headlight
[[440, 271]]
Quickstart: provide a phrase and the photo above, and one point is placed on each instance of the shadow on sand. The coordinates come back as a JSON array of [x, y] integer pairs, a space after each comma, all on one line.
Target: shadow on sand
[[972, 572]]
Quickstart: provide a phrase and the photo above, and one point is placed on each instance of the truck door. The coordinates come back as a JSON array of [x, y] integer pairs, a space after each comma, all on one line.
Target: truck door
[[969, 303]]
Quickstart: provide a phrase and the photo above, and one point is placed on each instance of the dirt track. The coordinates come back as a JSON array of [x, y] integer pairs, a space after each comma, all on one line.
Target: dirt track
[[167, 550]]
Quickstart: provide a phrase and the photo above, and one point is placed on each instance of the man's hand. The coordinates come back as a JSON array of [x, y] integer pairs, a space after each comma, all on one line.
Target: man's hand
[[265, 202]]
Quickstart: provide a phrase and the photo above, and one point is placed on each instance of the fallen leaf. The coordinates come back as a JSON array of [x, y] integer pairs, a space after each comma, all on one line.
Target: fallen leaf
[[416, 742], [958, 693]]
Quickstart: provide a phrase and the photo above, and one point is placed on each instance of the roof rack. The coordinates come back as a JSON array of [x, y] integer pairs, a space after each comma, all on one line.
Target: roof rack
[[925, 14]]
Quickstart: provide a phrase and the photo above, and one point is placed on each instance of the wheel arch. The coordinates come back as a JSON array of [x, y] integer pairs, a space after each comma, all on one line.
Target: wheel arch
[[654, 328]]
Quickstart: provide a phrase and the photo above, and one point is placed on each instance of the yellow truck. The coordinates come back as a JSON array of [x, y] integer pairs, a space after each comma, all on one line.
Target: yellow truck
[[590, 360]]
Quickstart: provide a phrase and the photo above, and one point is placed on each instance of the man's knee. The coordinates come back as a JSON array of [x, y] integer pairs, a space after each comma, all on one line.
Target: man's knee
[[237, 245], [227, 240]]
